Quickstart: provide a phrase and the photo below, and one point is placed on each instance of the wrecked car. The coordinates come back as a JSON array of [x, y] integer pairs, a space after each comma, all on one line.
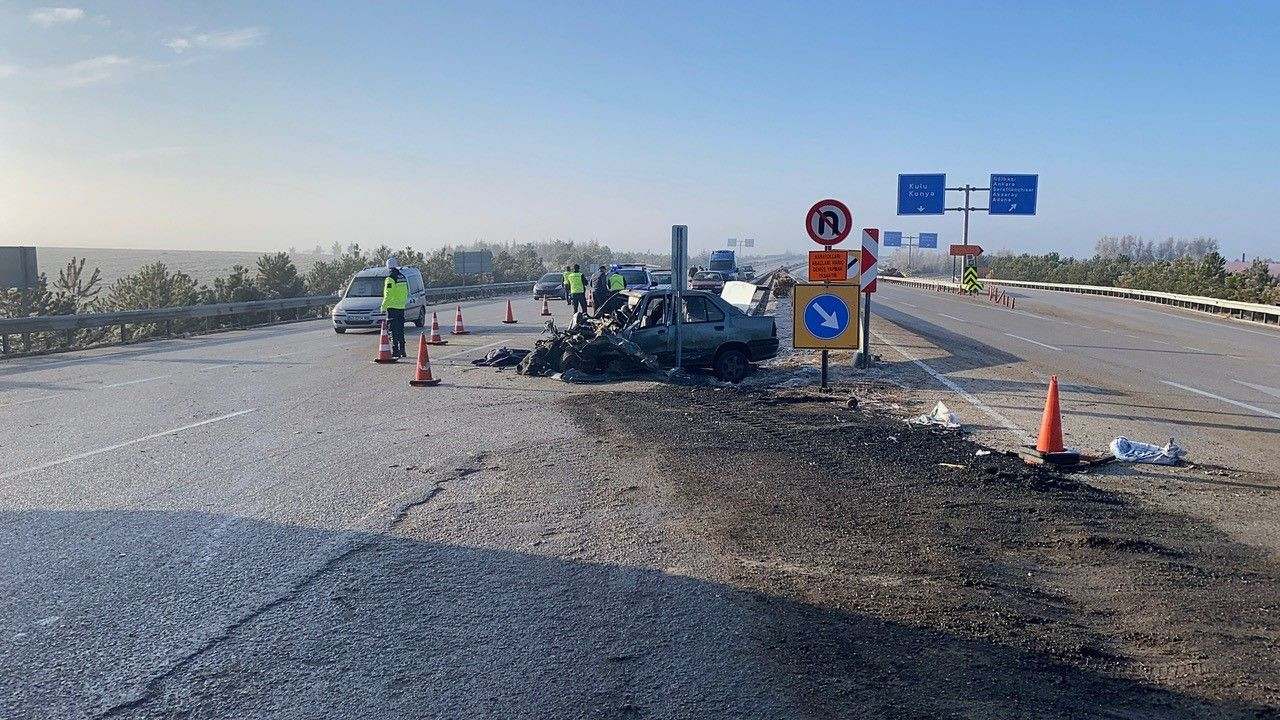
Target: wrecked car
[[714, 333]]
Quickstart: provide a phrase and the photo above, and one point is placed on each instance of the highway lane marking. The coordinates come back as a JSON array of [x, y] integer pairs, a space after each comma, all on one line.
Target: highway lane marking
[[1132, 337], [1104, 330], [968, 397], [476, 347], [1087, 327], [1035, 342], [1274, 392], [241, 362], [135, 382], [1193, 349], [953, 317], [907, 304], [1237, 403], [117, 446], [1159, 342]]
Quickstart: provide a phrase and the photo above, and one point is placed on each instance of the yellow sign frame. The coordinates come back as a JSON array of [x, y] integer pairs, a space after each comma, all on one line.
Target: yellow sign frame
[[851, 295]]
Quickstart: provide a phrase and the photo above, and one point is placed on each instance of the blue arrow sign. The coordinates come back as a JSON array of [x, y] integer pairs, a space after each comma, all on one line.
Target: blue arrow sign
[[1013, 194], [891, 239], [922, 194], [826, 316], [928, 240]]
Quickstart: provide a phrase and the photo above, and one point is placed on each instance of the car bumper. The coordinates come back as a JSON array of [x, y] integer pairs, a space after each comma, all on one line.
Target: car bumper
[[762, 349], [539, 294], [359, 321]]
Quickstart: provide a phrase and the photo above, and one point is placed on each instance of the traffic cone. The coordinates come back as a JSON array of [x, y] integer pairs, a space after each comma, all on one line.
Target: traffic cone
[[422, 373], [1050, 440], [457, 324], [435, 332], [384, 346], [546, 309], [511, 317]]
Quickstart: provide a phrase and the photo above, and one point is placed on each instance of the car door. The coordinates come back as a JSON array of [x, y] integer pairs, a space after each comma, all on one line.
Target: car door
[[649, 328], [703, 330]]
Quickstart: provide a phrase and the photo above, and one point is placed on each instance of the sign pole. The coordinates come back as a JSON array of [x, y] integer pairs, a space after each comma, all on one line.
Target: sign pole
[[679, 277]]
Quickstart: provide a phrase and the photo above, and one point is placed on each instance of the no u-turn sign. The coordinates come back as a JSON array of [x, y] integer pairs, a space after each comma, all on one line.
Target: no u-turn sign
[[828, 222]]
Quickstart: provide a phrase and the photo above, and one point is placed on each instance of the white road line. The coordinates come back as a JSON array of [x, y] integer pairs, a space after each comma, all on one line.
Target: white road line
[[1193, 349], [1087, 327], [907, 304], [1132, 337], [1273, 392], [1237, 403], [28, 400], [109, 448], [135, 382], [953, 317], [1159, 342], [1104, 330], [968, 397], [1034, 342], [241, 362]]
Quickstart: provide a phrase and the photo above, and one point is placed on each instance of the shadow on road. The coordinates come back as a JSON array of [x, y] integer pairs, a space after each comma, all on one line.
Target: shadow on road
[[164, 614]]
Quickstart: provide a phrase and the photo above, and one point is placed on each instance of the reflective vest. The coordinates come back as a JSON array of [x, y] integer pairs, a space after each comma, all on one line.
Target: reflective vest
[[395, 293], [577, 283], [617, 282]]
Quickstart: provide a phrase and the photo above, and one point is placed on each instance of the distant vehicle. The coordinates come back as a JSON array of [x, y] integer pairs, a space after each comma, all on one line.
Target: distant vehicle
[[712, 280], [746, 272], [714, 333], [635, 276], [660, 279], [550, 285], [724, 261], [891, 272], [361, 303]]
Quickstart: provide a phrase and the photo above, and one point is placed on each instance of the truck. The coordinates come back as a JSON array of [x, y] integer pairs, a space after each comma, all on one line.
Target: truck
[[724, 262]]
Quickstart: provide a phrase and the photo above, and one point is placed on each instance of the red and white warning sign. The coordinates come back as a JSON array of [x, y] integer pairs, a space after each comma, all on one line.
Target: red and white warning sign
[[870, 249], [828, 222]]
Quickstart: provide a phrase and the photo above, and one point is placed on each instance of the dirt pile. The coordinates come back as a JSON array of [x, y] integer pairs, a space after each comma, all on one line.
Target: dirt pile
[[970, 586]]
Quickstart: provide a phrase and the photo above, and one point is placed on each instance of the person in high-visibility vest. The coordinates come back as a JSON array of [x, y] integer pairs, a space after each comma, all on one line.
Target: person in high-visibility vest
[[395, 298], [577, 285], [616, 282]]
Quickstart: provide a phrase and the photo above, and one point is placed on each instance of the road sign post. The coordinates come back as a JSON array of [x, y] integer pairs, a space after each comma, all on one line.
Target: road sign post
[[868, 270], [679, 277]]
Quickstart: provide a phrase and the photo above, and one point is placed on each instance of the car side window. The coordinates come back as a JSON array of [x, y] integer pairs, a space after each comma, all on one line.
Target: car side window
[[695, 309], [415, 283], [655, 313]]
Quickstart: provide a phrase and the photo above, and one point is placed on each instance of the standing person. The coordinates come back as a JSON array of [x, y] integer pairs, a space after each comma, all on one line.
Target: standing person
[[395, 297], [577, 285], [568, 296], [600, 287], [617, 283]]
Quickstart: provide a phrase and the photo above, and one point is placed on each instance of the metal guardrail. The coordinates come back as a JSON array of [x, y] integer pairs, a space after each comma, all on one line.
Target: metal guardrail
[[24, 326], [1254, 312]]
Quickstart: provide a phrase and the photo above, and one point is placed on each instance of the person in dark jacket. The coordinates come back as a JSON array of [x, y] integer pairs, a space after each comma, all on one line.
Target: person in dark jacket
[[600, 287]]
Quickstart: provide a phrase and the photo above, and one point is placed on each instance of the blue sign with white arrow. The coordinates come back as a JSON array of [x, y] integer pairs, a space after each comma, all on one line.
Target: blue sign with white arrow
[[891, 238], [928, 240], [1013, 194], [922, 194], [826, 316]]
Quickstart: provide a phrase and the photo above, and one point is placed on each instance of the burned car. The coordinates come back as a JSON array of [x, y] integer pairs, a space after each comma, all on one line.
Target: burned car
[[714, 333]]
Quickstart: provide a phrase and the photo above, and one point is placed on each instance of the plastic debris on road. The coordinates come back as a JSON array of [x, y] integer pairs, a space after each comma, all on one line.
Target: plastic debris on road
[[589, 347], [1127, 450], [502, 357], [940, 416]]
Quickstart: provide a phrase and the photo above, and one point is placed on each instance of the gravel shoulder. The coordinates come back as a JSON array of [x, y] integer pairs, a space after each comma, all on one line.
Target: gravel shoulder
[[893, 573]]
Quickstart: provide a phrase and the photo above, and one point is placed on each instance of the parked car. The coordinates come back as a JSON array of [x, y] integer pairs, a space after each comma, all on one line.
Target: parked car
[[747, 273], [550, 285], [361, 303], [714, 333], [660, 279], [712, 280]]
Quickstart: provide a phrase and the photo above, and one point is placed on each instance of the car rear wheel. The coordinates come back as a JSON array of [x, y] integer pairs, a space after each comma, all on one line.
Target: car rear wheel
[[731, 365]]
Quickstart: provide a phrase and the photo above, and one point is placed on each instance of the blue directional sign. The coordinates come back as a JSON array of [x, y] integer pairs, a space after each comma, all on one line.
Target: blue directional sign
[[891, 239], [928, 240], [826, 316], [922, 194], [1013, 194]]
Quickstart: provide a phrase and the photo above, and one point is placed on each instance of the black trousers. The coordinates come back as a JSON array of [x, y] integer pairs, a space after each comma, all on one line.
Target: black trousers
[[580, 302], [395, 318]]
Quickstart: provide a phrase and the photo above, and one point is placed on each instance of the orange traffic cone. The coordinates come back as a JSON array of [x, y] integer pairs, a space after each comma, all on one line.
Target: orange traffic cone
[[546, 309], [435, 332], [1050, 440], [457, 324], [422, 373], [511, 317], [384, 346]]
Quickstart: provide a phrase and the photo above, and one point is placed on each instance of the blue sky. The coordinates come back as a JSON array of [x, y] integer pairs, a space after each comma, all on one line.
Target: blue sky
[[264, 125]]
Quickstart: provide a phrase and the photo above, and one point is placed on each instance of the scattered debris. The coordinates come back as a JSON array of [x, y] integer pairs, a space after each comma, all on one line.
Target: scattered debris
[[981, 453], [941, 415], [502, 357], [589, 347], [951, 465], [1126, 450]]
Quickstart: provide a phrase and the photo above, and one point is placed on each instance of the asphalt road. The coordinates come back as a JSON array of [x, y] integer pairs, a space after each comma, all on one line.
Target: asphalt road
[[264, 523]]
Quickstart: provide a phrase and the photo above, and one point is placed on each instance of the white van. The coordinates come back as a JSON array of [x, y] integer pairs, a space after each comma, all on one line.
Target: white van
[[360, 306]]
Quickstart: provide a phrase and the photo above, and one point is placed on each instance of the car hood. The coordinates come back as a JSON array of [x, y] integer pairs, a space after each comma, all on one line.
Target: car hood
[[359, 304]]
